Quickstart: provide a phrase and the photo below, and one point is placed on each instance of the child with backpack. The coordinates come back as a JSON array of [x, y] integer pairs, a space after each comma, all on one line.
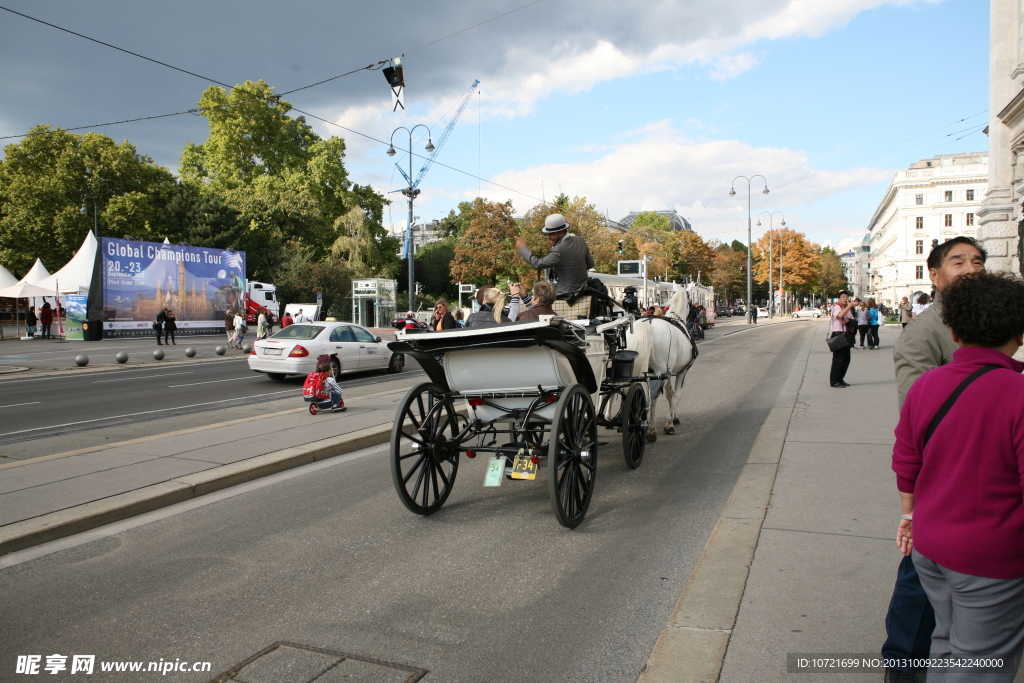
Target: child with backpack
[[320, 385]]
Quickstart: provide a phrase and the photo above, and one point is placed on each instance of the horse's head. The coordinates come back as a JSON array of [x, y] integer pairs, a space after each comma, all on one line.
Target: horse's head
[[679, 305]]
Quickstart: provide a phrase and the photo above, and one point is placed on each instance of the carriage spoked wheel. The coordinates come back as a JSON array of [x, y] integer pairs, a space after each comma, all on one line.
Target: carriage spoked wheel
[[572, 456], [424, 455], [634, 425]]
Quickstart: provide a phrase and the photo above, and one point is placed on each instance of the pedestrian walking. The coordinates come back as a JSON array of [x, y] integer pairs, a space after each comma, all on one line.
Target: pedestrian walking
[[841, 312], [158, 325], [862, 322], [261, 326], [286, 320], [31, 320], [958, 461], [923, 302], [229, 326], [906, 309], [923, 346], [442, 319], [170, 327], [46, 319], [300, 318], [240, 330], [753, 315], [874, 321]]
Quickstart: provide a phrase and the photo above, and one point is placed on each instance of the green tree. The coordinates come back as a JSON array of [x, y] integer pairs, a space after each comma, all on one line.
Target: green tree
[[693, 258], [47, 177], [285, 183], [652, 219], [831, 277]]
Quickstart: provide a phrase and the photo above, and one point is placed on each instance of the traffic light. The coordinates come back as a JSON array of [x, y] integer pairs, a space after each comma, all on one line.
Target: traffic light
[[620, 247]]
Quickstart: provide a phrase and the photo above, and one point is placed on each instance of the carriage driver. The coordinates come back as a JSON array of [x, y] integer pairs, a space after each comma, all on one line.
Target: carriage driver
[[568, 260]]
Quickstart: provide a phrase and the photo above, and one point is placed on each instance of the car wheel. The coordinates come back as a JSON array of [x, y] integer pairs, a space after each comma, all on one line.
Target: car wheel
[[336, 368], [397, 363], [276, 376]]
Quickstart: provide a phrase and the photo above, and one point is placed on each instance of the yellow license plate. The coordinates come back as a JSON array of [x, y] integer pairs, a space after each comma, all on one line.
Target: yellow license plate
[[524, 468]]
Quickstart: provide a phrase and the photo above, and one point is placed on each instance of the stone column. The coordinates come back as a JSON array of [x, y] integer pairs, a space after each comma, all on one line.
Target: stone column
[[998, 216]]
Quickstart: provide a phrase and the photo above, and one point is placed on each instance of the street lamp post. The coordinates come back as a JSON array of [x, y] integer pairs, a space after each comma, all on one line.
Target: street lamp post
[[411, 192], [732, 193], [771, 235], [95, 219]]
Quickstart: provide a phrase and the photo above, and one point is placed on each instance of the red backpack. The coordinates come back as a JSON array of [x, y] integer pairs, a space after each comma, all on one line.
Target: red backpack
[[316, 386]]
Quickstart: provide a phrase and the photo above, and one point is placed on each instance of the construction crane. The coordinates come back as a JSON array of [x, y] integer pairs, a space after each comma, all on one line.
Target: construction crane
[[440, 141]]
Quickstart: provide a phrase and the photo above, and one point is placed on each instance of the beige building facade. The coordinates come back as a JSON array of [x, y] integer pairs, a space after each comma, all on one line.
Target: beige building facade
[[933, 200], [999, 220]]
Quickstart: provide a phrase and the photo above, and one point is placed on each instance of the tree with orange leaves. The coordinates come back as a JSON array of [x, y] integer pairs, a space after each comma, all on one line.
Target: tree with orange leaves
[[486, 249]]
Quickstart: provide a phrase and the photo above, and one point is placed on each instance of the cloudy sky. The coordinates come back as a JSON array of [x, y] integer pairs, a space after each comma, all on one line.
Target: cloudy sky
[[635, 105]]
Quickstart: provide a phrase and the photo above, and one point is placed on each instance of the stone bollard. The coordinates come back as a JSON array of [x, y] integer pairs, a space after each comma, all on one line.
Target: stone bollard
[[220, 350], [247, 348], [121, 357], [158, 354], [190, 352], [81, 360]]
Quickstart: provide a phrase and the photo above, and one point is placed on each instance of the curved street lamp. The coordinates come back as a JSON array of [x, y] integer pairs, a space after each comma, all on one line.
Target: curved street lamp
[[771, 234], [411, 192], [732, 193]]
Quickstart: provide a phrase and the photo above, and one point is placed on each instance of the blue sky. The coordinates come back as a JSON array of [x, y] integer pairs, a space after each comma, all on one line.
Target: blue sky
[[635, 105]]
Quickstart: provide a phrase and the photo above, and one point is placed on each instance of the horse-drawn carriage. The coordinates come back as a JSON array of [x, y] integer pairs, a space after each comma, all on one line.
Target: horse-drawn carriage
[[520, 394]]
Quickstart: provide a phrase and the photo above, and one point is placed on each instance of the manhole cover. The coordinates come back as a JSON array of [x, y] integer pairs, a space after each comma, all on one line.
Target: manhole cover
[[292, 663]]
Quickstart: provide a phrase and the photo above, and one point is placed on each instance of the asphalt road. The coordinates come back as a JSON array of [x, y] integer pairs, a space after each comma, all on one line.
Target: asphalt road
[[62, 406], [490, 588]]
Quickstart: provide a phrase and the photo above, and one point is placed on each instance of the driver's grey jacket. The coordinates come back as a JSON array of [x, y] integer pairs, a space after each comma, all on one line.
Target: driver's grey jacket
[[568, 261]]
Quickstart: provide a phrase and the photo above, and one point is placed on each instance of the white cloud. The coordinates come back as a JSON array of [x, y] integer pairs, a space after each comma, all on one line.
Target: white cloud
[[658, 167]]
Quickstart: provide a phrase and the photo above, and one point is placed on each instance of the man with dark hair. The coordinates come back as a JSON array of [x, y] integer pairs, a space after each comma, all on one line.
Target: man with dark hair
[[926, 343]]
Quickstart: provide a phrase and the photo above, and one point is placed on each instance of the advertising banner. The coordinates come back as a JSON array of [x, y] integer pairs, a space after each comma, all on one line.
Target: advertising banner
[[75, 305], [140, 279]]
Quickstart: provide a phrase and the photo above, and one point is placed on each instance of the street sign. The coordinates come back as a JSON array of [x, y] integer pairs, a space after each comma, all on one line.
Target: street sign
[[320, 299], [466, 289], [631, 268]]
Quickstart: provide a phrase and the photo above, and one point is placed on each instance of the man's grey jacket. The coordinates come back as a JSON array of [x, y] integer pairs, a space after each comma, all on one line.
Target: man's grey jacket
[[568, 260], [924, 344]]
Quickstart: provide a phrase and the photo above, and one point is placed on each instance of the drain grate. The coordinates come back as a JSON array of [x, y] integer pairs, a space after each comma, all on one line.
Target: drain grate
[[285, 662]]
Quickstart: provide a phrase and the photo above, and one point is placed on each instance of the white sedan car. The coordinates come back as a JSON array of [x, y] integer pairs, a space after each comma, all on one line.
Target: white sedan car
[[807, 312], [294, 350], [762, 312]]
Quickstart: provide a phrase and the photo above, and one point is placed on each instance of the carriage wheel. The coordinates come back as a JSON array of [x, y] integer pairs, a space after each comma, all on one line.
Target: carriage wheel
[[424, 460], [572, 456], [634, 425]]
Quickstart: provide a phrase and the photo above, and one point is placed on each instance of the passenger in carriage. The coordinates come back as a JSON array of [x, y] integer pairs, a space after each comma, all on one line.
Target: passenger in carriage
[[543, 297], [490, 313]]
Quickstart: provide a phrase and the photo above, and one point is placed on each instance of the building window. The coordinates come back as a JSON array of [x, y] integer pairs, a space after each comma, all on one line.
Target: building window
[[949, 220], [919, 222], [919, 199], [949, 195], [970, 219], [970, 195], [918, 272], [919, 247]]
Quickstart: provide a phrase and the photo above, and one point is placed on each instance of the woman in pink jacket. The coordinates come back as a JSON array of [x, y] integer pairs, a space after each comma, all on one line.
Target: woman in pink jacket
[[959, 463]]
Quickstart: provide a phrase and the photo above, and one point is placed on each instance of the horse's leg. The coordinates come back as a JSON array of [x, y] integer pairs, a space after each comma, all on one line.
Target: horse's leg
[[652, 431], [670, 398]]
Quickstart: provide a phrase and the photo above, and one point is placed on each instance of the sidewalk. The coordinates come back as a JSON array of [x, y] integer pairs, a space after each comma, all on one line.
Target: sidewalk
[[65, 493], [803, 559]]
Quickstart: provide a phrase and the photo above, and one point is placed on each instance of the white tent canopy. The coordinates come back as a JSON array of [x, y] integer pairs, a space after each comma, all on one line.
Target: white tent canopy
[[76, 276], [23, 290], [35, 274], [6, 279]]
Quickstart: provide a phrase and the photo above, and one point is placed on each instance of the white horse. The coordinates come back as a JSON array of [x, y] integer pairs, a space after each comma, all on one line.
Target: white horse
[[664, 349]]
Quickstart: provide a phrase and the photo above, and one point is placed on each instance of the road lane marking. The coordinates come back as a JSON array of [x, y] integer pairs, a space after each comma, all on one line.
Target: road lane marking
[[179, 432], [146, 412], [65, 373], [125, 379], [212, 381], [12, 405]]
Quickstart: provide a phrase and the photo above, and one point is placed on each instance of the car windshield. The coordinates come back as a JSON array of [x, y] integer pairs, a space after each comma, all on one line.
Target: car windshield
[[299, 332]]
